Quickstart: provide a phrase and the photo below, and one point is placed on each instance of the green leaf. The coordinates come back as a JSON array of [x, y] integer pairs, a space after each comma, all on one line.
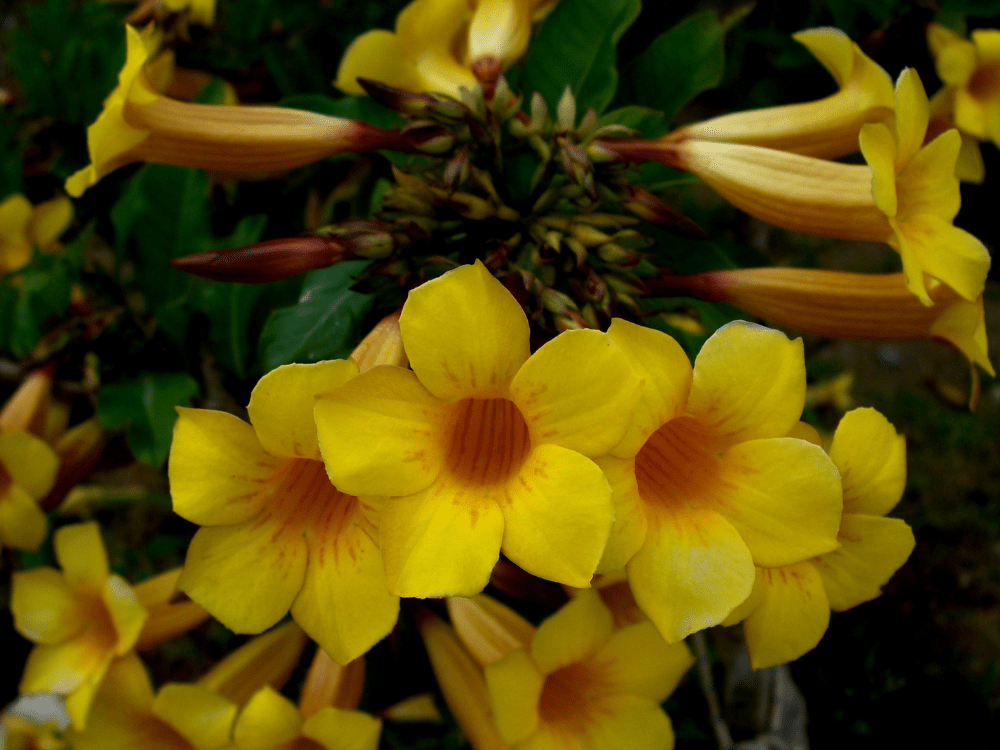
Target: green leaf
[[146, 406], [42, 293], [361, 108], [576, 47], [680, 63], [322, 325]]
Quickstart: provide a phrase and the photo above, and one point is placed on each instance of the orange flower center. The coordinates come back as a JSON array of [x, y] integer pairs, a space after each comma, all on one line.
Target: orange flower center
[[677, 464], [568, 697], [984, 82], [487, 441]]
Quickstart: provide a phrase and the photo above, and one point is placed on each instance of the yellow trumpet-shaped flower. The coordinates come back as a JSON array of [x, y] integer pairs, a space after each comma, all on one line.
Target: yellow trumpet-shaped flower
[[971, 70], [481, 447], [789, 609], [138, 123], [825, 128], [582, 683], [81, 619], [706, 485], [24, 227], [442, 45], [28, 468], [277, 535]]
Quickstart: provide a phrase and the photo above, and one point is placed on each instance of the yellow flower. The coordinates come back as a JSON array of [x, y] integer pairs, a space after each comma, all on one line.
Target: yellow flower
[[199, 11], [970, 166], [277, 535], [826, 128], [442, 45], [138, 123], [28, 470], [972, 71], [24, 227], [706, 485], [789, 609], [481, 447], [582, 683], [81, 619]]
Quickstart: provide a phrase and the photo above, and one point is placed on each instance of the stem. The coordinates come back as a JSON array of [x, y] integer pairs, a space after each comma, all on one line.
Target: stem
[[722, 735]]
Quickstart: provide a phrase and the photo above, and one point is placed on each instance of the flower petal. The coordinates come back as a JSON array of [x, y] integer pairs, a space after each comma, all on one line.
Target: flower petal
[[871, 458], [23, 525], [29, 461], [443, 541], [666, 371], [783, 496], [515, 685], [912, 114], [336, 729], [577, 391], [268, 720], [927, 184], [203, 718], [879, 149], [557, 516], [487, 628], [344, 604], [692, 570], [749, 382], [127, 612], [574, 633], [791, 618], [871, 550], [625, 722], [81, 555], [79, 701], [63, 667], [281, 405], [948, 253], [637, 661], [629, 529], [429, 32], [379, 433], [378, 55], [45, 607], [246, 576], [217, 468], [465, 335]]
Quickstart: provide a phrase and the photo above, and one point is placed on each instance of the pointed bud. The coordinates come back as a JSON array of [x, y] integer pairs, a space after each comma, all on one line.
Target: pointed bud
[[383, 346], [427, 137], [657, 211], [167, 618], [263, 262], [589, 235], [330, 684], [566, 110], [398, 100], [27, 409], [487, 628], [587, 125], [456, 171], [617, 255]]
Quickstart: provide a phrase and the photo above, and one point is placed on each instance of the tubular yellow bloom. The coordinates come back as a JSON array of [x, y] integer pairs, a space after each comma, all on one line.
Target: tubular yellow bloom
[[442, 45], [971, 69], [81, 619], [582, 683], [24, 227], [705, 482], [140, 124], [481, 447], [789, 609], [826, 128], [277, 535], [28, 468]]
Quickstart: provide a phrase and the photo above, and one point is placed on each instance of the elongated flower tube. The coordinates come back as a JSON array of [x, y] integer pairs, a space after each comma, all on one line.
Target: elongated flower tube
[[582, 683], [442, 45], [481, 447], [28, 470], [140, 124], [826, 128], [276, 534], [24, 227], [167, 618], [971, 69], [488, 629], [81, 618], [706, 485], [789, 609], [844, 306]]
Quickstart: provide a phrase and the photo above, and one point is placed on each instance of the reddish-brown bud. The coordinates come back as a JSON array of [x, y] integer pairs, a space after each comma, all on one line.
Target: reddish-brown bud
[[263, 262]]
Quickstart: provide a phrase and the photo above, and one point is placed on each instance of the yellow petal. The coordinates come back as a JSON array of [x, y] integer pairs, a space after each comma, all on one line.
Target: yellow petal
[[558, 516], [913, 272], [833, 48], [666, 371], [378, 55], [246, 575], [574, 633], [379, 433], [49, 220], [577, 391], [336, 729], [871, 458], [127, 612], [45, 607], [29, 461], [629, 529], [281, 405], [202, 717], [879, 149], [268, 720], [79, 701], [500, 29], [692, 570], [23, 524], [751, 603], [749, 382], [443, 541], [515, 685], [465, 334], [871, 550], [344, 604], [217, 468], [948, 253], [939, 37], [956, 62], [63, 667], [434, 33], [637, 661], [805, 431], [81, 555], [912, 114], [963, 325], [626, 721], [927, 184], [15, 247], [987, 43], [488, 629], [791, 618], [970, 166]]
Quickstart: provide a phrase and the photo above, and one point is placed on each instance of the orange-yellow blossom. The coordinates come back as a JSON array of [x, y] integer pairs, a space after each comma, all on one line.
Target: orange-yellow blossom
[[24, 227], [971, 71]]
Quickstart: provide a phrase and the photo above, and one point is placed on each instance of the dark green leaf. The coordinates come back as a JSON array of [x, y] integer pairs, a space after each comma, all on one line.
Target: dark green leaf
[[322, 324], [576, 47], [146, 406], [43, 291]]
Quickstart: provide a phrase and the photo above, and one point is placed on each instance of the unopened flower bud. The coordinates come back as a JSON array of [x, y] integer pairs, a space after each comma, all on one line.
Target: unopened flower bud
[[26, 409], [566, 110], [262, 262], [383, 346]]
